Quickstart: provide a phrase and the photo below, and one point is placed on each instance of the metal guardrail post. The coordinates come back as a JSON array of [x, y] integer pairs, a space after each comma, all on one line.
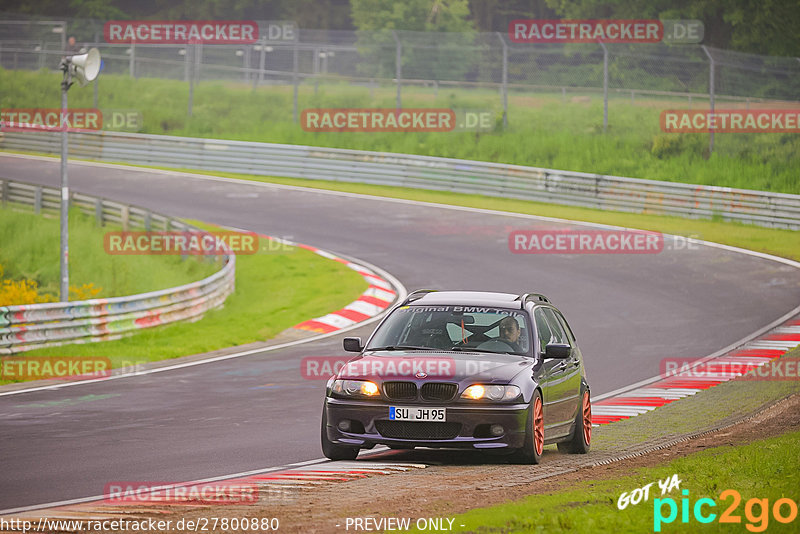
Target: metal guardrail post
[[4, 191], [124, 216]]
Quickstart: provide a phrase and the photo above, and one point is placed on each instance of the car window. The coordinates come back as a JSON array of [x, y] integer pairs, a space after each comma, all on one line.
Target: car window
[[542, 328], [566, 326], [557, 331], [455, 327]]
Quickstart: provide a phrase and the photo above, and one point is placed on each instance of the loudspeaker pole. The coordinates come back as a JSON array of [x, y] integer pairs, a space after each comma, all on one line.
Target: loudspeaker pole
[[65, 84], [85, 68]]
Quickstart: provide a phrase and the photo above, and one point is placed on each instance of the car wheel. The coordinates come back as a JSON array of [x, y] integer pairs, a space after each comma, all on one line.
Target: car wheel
[[582, 434], [331, 450], [532, 448]]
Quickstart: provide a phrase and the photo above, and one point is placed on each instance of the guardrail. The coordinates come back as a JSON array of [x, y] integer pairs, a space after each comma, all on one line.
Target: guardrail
[[33, 326], [425, 172]]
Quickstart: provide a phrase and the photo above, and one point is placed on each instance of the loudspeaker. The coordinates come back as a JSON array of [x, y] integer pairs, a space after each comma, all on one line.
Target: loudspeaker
[[86, 67]]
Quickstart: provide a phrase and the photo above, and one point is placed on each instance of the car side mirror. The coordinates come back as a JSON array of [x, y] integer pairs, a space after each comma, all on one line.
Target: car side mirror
[[560, 351], [352, 344]]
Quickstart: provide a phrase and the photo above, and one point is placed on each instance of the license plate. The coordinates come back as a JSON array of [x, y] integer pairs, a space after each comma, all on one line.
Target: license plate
[[397, 413]]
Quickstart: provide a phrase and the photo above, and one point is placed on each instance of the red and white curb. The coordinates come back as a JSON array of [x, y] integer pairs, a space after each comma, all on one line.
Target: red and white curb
[[275, 487], [752, 355], [379, 295]]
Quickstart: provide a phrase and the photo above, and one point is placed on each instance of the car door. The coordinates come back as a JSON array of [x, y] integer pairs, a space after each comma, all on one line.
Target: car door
[[544, 335], [563, 378]]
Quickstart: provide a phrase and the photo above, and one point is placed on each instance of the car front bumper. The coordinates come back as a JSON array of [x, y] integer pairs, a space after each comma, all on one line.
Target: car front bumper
[[466, 425]]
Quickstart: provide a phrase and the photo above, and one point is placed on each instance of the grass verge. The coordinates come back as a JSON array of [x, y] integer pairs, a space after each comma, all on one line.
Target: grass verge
[[766, 469], [546, 129], [29, 249], [274, 291]]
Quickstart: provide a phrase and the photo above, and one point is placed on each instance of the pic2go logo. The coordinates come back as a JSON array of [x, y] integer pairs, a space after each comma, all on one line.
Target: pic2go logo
[[756, 511]]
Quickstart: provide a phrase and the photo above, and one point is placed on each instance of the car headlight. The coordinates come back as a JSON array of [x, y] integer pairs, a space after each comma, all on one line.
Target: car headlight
[[491, 392], [355, 388]]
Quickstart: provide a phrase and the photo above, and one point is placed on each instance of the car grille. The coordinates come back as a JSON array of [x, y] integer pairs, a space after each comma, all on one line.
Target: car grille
[[417, 429], [437, 391], [400, 390]]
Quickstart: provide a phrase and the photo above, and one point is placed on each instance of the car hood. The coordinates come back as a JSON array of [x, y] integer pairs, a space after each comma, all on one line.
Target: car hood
[[435, 366]]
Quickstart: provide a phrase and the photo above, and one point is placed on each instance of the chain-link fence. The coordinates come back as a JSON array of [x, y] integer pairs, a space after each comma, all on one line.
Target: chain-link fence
[[405, 58]]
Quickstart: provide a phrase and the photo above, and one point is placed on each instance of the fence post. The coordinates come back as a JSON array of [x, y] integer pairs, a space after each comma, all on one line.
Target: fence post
[[605, 87], [132, 61], [262, 61], [710, 94], [186, 65], [398, 66], [246, 71], [505, 79], [295, 80], [190, 50]]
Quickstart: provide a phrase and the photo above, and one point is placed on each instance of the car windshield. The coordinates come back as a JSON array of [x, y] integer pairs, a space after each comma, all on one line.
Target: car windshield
[[461, 328]]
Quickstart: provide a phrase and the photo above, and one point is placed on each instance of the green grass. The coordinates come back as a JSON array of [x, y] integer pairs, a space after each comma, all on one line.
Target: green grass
[[765, 469], [545, 130], [274, 290], [29, 249]]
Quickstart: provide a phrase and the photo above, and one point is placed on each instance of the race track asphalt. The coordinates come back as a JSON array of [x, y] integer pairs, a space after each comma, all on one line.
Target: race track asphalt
[[628, 312]]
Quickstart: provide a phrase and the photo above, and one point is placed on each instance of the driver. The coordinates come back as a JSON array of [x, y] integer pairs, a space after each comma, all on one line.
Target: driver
[[509, 333]]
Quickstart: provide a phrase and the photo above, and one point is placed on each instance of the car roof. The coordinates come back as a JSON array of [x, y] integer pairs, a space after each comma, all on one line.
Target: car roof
[[471, 298]]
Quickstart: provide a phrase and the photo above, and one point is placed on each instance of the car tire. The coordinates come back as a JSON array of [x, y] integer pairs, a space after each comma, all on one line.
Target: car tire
[[582, 434], [331, 450], [533, 446]]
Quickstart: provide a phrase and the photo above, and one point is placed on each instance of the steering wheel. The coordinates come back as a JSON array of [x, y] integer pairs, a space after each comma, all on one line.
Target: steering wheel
[[496, 345]]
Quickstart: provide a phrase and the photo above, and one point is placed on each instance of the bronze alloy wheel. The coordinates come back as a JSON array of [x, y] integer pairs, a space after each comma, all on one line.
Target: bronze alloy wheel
[[538, 426], [587, 418]]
